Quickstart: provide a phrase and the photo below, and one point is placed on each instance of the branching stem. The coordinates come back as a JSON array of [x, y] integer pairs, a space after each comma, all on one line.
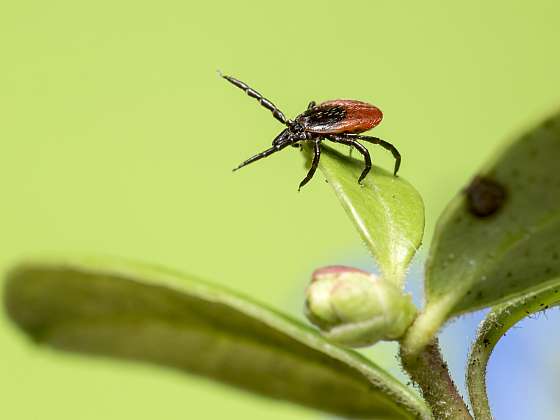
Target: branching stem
[[429, 371]]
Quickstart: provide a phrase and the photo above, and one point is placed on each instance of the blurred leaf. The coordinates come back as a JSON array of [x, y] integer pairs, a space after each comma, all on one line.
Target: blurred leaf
[[479, 259], [387, 211], [495, 326], [151, 314]]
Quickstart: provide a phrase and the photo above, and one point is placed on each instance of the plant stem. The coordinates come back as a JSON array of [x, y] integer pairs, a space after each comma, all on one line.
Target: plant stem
[[429, 371]]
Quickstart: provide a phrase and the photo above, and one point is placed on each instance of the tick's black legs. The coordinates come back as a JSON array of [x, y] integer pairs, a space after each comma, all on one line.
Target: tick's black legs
[[311, 105], [361, 148], [385, 144], [289, 138], [262, 100], [261, 155], [367, 160], [314, 163]]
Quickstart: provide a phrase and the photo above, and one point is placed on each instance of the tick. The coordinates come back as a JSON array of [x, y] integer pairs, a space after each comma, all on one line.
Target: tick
[[338, 120]]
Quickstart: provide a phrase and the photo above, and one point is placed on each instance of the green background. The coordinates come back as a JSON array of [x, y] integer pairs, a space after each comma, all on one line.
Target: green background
[[117, 138]]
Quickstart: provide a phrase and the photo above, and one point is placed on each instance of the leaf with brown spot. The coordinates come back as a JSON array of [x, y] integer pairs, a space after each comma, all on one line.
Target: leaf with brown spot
[[475, 261]]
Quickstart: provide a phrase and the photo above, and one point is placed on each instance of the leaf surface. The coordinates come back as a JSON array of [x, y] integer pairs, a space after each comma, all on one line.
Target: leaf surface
[[129, 311], [386, 210], [480, 259]]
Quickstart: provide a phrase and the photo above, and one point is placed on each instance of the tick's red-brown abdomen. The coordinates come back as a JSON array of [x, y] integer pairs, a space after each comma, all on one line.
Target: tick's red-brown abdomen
[[358, 117]]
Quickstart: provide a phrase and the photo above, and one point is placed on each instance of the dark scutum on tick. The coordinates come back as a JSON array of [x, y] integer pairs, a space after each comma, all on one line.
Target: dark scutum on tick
[[339, 121]]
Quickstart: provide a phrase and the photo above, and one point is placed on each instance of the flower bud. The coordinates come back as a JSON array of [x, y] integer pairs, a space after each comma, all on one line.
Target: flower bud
[[356, 308]]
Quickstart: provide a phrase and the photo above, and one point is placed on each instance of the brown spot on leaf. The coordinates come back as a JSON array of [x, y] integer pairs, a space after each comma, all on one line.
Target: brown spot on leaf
[[485, 196]]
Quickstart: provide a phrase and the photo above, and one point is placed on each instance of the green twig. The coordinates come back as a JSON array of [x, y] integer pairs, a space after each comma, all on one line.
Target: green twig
[[429, 371], [494, 327]]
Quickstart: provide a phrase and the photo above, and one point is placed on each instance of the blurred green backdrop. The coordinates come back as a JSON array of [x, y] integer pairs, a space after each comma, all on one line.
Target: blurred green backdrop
[[118, 138]]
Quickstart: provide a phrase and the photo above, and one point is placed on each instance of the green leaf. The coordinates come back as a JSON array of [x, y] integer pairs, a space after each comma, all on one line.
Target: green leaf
[[495, 326], [150, 314], [478, 261], [387, 211]]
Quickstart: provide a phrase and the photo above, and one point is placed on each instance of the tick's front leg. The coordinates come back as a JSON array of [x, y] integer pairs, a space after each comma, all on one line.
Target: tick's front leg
[[314, 163]]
